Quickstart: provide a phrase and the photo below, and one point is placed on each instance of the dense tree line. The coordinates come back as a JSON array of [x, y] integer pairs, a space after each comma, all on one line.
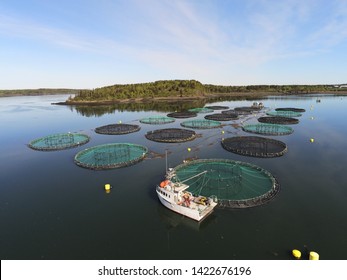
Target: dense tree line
[[169, 88], [186, 88], [172, 88], [40, 91], [288, 89]]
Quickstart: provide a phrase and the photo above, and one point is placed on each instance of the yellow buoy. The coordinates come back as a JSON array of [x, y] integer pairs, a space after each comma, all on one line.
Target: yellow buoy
[[311, 140], [296, 254], [189, 149], [222, 131], [120, 121], [314, 256], [107, 187]]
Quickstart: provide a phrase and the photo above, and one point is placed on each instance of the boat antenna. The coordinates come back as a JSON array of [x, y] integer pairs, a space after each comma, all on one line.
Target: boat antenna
[[165, 160]]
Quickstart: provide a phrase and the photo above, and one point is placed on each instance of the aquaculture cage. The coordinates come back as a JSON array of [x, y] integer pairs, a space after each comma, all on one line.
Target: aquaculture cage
[[110, 156], [236, 184], [201, 110], [201, 124], [171, 135], [182, 115], [298, 110], [248, 109], [278, 120], [268, 129], [288, 114], [59, 141], [255, 146], [217, 107], [235, 113], [157, 120], [222, 117], [116, 129]]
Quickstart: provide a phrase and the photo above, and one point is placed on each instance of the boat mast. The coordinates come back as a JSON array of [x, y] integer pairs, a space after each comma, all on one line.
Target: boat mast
[[165, 161]]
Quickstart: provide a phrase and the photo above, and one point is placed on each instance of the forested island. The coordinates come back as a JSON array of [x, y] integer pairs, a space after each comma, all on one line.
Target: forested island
[[174, 90], [190, 89]]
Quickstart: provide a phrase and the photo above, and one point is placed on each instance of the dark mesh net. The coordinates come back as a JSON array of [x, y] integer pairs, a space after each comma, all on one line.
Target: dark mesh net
[[221, 117], [182, 115], [217, 107], [171, 135], [278, 120], [255, 146], [299, 110], [115, 129]]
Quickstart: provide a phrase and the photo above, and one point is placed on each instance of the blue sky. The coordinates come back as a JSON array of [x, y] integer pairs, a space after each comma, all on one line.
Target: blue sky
[[94, 43]]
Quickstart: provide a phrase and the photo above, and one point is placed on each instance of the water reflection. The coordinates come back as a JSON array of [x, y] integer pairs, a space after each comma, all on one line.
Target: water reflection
[[159, 106], [172, 220], [50, 208], [95, 110]]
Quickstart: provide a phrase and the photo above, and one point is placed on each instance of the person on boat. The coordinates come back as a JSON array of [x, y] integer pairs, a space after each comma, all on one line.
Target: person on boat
[[186, 198]]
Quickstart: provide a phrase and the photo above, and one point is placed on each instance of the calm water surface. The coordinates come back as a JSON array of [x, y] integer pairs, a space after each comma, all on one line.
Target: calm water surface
[[52, 209]]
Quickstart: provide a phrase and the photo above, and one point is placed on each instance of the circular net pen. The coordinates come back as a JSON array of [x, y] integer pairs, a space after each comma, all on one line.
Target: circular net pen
[[171, 135], [201, 124], [109, 156], [287, 114], [278, 120], [268, 129], [239, 113], [117, 129], [222, 117], [201, 110], [235, 184], [157, 120], [255, 146], [59, 141], [182, 115], [298, 110], [247, 109], [217, 107], [236, 113]]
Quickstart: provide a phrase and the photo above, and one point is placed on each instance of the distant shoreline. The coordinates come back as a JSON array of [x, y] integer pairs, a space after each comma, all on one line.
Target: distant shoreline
[[36, 92], [233, 95]]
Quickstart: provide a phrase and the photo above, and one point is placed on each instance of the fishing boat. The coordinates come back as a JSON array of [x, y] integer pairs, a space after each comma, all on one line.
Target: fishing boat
[[175, 196]]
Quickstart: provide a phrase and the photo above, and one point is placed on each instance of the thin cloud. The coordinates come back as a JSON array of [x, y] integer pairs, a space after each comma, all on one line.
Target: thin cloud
[[333, 32], [29, 30], [194, 38]]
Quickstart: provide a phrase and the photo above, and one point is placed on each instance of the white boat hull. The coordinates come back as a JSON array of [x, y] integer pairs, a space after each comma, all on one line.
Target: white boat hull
[[195, 211]]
